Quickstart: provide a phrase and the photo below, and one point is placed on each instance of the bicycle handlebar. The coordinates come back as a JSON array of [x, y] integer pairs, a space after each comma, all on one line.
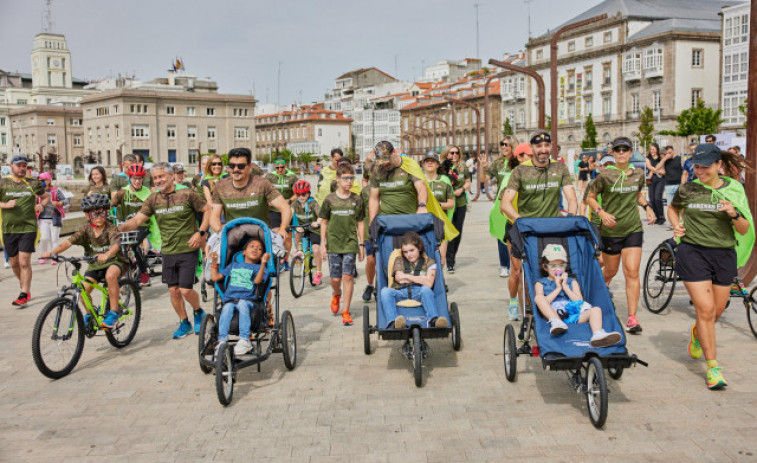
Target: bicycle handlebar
[[73, 260], [304, 227]]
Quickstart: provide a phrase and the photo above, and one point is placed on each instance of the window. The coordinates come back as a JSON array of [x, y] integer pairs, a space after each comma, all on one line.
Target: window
[[102, 111], [588, 109], [117, 131], [235, 112], [50, 121], [190, 110], [608, 37], [731, 102], [607, 106], [635, 103], [171, 132], [696, 57], [737, 29], [211, 133], [20, 101], [210, 111], [170, 110], [539, 54], [3, 138], [320, 132], [191, 132], [241, 133], [2, 122], [572, 46], [735, 67], [138, 109], [656, 100], [76, 122], [653, 58], [115, 109], [571, 81], [696, 95], [107, 132], [193, 156], [51, 138], [77, 140], [588, 78], [607, 74], [49, 78], [99, 134], [632, 62], [589, 41], [140, 131]]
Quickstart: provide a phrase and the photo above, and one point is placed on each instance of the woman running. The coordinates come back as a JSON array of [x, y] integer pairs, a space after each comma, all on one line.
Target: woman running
[[621, 189], [441, 187], [583, 174], [497, 169], [461, 186], [706, 215]]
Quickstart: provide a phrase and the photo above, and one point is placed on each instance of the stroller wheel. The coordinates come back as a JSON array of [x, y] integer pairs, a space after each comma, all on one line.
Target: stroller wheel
[[751, 311], [207, 340], [596, 392], [615, 372], [366, 330], [455, 319], [417, 357], [225, 374], [511, 354], [289, 340]]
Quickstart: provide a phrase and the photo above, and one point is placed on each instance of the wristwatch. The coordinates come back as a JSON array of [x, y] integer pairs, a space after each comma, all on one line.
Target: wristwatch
[[647, 206], [737, 216], [421, 204], [362, 245], [201, 232]]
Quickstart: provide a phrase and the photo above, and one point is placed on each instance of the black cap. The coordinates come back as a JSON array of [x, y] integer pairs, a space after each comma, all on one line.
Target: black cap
[[431, 155], [706, 154], [541, 137], [18, 159], [384, 149], [622, 141]]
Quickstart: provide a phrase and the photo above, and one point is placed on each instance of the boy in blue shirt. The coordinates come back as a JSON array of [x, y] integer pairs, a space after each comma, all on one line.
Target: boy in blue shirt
[[242, 291]]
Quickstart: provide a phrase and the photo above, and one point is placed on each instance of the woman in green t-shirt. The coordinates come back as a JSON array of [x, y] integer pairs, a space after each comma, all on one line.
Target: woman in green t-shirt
[[714, 210], [441, 187], [460, 186]]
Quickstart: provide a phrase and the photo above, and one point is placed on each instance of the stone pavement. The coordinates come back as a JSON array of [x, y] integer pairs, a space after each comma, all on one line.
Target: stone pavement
[[150, 401]]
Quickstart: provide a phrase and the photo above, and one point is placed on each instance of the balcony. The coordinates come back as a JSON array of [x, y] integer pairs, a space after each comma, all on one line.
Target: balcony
[[632, 115], [632, 76], [520, 95], [508, 97], [652, 73]]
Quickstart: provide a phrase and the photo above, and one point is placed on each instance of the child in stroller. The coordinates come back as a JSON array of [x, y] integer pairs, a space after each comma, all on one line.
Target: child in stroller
[[560, 301], [244, 292], [411, 279]]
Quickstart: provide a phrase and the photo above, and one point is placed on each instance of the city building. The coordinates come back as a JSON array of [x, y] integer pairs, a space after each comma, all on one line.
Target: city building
[[305, 129], [450, 70], [661, 55], [735, 65], [514, 103], [43, 130]]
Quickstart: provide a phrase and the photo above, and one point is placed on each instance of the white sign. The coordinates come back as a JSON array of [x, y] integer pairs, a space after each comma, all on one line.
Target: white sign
[[64, 172]]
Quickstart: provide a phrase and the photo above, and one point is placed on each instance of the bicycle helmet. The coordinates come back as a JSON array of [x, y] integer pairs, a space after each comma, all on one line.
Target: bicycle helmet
[[95, 201], [136, 170], [302, 186]]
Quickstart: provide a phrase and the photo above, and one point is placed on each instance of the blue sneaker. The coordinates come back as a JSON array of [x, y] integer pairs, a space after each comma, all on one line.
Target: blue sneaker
[[110, 320], [185, 328], [199, 314], [87, 317], [284, 267]]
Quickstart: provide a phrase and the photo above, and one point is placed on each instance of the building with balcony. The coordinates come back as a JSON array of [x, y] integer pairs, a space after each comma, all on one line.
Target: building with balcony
[[42, 130], [450, 70], [514, 95], [305, 129], [661, 55], [735, 65]]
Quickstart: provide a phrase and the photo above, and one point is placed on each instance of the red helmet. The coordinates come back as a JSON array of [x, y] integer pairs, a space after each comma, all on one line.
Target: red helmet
[[136, 170], [302, 186]]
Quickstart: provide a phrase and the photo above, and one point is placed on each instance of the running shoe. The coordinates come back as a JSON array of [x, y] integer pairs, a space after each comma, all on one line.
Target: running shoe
[[335, 303], [346, 318], [504, 272], [557, 326], [367, 293], [317, 278], [695, 349], [604, 339], [199, 314], [22, 300], [632, 325], [42, 261], [715, 378], [7, 264], [185, 328], [110, 320], [242, 347], [144, 279], [52, 262], [450, 269]]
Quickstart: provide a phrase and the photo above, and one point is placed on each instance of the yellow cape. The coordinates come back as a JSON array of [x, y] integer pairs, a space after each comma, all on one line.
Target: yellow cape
[[432, 205]]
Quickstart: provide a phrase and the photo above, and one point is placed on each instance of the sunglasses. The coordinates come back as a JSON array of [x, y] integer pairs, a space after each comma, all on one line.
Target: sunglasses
[[240, 166], [348, 178], [281, 166], [454, 152], [101, 213], [503, 144], [621, 149], [216, 163], [303, 194]]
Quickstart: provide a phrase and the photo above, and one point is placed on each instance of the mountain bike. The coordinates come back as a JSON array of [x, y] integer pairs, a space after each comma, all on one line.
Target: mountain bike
[[59, 332], [302, 265]]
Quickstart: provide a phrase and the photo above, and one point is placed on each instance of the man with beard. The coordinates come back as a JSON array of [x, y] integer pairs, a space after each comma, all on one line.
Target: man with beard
[[393, 190]]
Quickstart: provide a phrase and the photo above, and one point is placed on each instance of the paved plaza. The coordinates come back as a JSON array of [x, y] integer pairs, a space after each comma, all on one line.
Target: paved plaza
[[150, 401]]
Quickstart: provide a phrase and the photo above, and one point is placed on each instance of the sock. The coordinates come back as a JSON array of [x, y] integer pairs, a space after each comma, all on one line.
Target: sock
[[513, 301], [712, 363], [23, 295], [198, 310]]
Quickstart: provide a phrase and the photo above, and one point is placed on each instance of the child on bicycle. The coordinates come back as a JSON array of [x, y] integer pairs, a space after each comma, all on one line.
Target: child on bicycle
[[559, 299], [245, 288], [414, 276], [305, 210], [99, 238]]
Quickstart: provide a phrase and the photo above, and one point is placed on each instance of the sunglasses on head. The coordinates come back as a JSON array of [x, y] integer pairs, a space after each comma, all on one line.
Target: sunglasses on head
[[239, 166]]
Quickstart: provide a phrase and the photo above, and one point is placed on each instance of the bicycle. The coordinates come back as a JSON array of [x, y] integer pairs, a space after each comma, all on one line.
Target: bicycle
[[62, 314], [302, 265]]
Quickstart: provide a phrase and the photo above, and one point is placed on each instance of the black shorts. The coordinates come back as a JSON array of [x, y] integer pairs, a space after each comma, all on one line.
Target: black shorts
[[613, 245], [698, 263], [99, 275], [19, 242], [180, 269], [508, 227], [370, 249], [315, 239], [275, 218]]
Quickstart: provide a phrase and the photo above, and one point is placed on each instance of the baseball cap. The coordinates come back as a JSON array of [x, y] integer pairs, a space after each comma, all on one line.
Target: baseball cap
[[384, 149], [606, 160], [622, 141], [523, 148], [178, 167], [431, 155], [19, 158], [555, 252], [706, 154], [279, 162]]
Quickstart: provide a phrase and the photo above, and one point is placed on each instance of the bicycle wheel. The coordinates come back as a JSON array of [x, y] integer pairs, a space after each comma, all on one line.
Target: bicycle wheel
[[751, 311], [131, 311], [297, 276], [659, 280], [56, 354]]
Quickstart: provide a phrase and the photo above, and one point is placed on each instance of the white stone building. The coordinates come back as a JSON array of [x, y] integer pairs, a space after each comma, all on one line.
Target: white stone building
[[735, 65]]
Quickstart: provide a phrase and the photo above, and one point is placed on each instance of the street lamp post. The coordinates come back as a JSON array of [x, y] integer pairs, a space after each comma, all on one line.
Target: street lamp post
[[480, 175], [486, 106], [540, 91], [750, 270], [435, 119]]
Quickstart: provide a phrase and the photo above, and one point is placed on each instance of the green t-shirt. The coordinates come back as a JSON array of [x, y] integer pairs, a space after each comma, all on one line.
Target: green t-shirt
[[306, 213], [93, 245], [175, 214], [21, 218], [705, 224], [251, 200], [539, 188], [343, 215], [283, 183], [442, 190], [619, 198], [128, 202], [397, 193], [463, 174], [497, 169], [593, 218]]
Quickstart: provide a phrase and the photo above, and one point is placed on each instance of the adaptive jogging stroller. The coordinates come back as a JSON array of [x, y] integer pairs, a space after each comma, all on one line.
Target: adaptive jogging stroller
[[570, 351], [386, 231], [268, 327]]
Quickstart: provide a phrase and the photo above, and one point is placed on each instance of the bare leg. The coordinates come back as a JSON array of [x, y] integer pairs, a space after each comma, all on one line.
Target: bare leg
[[631, 258], [709, 302], [370, 268], [347, 286], [111, 277], [16, 266], [25, 271], [442, 251], [318, 262], [177, 302], [610, 268], [191, 296], [594, 317], [336, 284], [545, 308]]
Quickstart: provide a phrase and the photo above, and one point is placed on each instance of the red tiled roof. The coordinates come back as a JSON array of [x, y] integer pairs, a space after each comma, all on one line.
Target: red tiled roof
[[309, 113]]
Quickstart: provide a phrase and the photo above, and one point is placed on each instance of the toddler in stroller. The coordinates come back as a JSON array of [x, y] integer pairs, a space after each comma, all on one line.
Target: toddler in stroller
[[560, 301]]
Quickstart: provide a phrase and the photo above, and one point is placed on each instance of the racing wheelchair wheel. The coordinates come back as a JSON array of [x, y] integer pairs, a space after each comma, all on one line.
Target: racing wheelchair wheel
[[366, 330], [225, 373], [615, 372], [207, 340], [659, 279], [417, 357], [297, 276], [131, 312], [596, 392], [289, 340], [751, 311], [511, 354]]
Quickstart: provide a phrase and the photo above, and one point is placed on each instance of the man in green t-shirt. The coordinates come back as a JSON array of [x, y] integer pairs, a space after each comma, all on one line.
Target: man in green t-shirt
[[175, 212], [19, 204], [394, 191], [283, 180]]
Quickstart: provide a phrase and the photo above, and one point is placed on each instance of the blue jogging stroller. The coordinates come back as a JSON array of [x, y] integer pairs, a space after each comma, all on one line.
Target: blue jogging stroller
[[386, 231], [571, 351], [272, 332]]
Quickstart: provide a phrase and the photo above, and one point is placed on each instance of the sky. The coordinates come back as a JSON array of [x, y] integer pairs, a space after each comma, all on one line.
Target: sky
[[241, 43]]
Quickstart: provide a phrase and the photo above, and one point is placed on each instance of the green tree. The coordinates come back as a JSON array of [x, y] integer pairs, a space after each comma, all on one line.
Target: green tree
[[548, 123], [698, 120], [507, 129], [742, 110], [590, 134], [646, 128]]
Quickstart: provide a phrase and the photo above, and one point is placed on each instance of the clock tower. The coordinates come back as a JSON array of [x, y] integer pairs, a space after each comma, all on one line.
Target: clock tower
[[51, 61]]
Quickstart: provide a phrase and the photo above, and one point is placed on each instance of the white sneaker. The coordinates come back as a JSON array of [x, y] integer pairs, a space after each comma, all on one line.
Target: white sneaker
[[604, 339], [299, 254], [7, 264], [242, 347], [504, 272], [558, 326]]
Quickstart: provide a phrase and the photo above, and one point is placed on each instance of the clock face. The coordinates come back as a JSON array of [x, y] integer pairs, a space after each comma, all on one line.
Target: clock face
[[56, 63]]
